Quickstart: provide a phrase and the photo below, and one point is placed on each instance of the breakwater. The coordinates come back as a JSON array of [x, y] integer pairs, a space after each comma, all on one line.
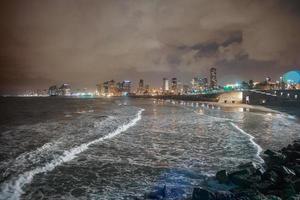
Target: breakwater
[[277, 179]]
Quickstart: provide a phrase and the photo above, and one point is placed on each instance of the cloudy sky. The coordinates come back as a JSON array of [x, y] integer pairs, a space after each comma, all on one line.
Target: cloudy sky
[[45, 42]]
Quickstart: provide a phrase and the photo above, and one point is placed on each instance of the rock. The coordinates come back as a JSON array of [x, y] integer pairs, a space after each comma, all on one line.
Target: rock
[[250, 194], [297, 185], [273, 197], [266, 186], [271, 176], [284, 172], [275, 157], [225, 195], [292, 155], [296, 169], [294, 197], [250, 166], [269, 152], [260, 171], [158, 194], [288, 191], [203, 194], [296, 145], [242, 181], [222, 176]]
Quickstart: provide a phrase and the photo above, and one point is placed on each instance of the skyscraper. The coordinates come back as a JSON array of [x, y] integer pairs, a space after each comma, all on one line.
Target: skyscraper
[[213, 78], [174, 85], [165, 85], [141, 83]]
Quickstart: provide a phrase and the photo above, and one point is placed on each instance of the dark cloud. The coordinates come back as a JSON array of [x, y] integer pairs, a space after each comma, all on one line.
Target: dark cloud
[[84, 42]]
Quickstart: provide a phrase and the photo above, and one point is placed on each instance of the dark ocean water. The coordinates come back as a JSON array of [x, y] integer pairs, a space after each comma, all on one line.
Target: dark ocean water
[[119, 148]]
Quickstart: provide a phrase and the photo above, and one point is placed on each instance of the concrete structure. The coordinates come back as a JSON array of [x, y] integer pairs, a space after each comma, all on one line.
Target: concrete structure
[[231, 97]]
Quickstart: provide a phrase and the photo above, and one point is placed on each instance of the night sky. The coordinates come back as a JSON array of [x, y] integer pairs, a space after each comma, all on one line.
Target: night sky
[[46, 42]]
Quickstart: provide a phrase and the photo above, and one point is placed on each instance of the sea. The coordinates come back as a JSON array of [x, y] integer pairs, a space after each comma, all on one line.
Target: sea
[[122, 148]]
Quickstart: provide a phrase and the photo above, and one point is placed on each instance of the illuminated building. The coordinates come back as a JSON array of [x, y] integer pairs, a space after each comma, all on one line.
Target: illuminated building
[[126, 87], [213, 78], [174, 85], [53, 90], [64, 90], [141, 89], [165, 85], [199, 84]]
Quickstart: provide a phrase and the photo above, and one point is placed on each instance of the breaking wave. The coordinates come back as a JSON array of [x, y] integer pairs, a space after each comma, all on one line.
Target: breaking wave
[[12, 189]]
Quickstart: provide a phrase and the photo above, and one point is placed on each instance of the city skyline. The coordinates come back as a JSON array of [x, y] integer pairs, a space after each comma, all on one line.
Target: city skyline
[[46, 43]]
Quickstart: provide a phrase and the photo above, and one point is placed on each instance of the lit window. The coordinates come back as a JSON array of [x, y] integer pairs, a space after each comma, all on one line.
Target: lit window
[[296, 96]]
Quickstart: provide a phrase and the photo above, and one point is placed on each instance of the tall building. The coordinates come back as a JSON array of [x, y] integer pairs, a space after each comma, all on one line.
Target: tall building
[[213, 78], [165, 85], [141, 89], [126, 87], [141, 83], [199, 84], [53, 90], [174, 85], [64, 90]]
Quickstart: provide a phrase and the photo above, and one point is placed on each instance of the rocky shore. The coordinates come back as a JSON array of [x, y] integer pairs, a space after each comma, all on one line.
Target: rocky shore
[[278, 178]]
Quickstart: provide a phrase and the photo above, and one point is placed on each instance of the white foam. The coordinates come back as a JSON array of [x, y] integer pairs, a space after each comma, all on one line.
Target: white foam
[[251, 138], [13, 188]]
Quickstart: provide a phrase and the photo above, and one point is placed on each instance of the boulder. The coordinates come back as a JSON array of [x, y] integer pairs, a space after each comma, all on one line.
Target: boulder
[[203, 194], [284, 172], [160, 193], [297, 185], [288, 191], [222, 176], [250, 166], [275, 158], [273, 197], [224, 195], [292, 155], [294, 197], [271, 176]]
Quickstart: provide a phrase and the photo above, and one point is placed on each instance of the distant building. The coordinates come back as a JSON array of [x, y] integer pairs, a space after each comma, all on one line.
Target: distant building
[[213, 78], [64, 90], [126, 87], [53, 90], [174, 85], [165, 85], [199, 84], [141, 89]]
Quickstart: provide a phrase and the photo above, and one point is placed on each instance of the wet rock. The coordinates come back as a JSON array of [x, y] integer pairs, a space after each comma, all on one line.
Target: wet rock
[[273, 197], [275, 157], [288, 191], [297, 185], [284, 172], [222, 176], [266, 186], [294, 197], [271, 176], [292, 155], [203, 194], [250, 166], [224, 195], [250, 194], [160, 193], [241, 178]]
